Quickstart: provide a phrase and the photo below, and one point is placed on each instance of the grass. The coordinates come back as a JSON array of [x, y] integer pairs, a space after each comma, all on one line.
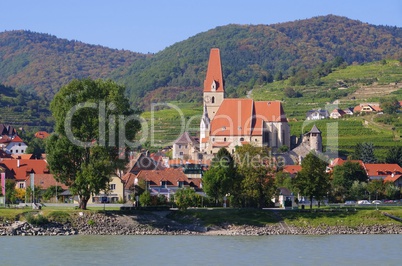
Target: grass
[[221, 216], [256, 217]]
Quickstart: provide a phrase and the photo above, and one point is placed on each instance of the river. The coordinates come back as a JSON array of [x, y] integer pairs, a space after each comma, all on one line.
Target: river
[[202, 250]]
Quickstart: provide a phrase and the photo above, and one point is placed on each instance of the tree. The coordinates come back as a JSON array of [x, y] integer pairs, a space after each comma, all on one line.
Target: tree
[[394, 155], [345, 175], [36, 147], [185, 198], [94, 124], [312, 180], [254, 167], [390, 105], [365, 152], [220, 179]]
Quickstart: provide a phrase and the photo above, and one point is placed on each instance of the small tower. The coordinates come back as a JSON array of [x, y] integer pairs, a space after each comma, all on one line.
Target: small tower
[[314, 139], [214, 91]]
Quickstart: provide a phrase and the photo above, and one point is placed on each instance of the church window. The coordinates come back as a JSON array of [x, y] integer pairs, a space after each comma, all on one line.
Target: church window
[[224, 139], [213, 86], [213, 99], [241, 139]]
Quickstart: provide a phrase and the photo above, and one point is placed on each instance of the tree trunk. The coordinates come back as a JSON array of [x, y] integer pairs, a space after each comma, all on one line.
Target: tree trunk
[[83, 202]]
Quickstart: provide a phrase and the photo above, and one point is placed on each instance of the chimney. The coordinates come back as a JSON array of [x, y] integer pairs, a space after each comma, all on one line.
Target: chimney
[[18, 163]]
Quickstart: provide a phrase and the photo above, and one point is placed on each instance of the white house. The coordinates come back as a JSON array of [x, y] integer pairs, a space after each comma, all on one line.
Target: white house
[[14, 146], [317, 114]]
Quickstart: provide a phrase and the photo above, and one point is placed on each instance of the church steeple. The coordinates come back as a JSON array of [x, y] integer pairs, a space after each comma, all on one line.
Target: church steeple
[[214, 91], [214, 79]]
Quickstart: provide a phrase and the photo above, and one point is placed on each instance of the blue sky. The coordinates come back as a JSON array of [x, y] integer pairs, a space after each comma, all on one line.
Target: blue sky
[[151, 25]]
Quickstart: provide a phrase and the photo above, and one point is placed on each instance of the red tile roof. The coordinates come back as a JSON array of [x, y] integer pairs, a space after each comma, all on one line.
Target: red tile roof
[[292, 169], [42, 134], [377, 169], [25, 167], [44, 181], [244, 117], [392, 178], [171, 175], [214, 72], [233, 118]]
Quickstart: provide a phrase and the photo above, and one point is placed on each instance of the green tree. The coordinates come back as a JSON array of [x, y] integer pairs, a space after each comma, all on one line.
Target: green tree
[[389, 105], [36, 147], [365, 152], [394, 155], [185, 197], [254, 168], [221, 178], [344, 176], [94, 124], [312, 180], [145, 199]]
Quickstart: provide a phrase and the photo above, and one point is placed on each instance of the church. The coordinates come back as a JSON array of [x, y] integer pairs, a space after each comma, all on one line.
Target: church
[[232, 122]]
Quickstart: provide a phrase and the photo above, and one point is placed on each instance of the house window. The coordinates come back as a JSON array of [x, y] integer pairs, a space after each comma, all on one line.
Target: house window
[[180, 183], [16, 151], [112, 186], [224, 139], [22, 185], [181, 153], [241, 139], [164, 184], [22, 151], [19, 144], [179, 146]]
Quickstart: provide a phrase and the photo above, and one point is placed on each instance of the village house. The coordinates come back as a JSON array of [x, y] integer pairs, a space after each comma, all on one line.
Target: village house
[[376, 171], [230, 123], [367, 108], [14, 145], [394, 179], [113, 194], [20, 170], [337, 113], [186, 147], [317, 114], [166, 182]]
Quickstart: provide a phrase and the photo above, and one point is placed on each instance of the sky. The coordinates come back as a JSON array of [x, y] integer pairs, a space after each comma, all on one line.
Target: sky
[[149, 26]]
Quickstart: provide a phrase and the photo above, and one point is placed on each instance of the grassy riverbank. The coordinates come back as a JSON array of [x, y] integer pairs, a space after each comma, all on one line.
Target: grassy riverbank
[[351, 217]]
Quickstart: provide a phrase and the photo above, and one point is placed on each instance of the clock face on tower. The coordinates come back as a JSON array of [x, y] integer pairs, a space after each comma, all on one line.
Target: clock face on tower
[[207, 99]]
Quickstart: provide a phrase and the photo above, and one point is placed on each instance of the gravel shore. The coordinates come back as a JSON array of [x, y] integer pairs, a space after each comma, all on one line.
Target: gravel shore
[[157, 224]]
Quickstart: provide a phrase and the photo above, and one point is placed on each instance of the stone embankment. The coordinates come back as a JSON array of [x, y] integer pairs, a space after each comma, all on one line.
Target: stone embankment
[[157, 224]]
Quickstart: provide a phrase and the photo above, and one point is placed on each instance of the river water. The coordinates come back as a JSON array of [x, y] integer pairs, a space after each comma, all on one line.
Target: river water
[[202, 250]]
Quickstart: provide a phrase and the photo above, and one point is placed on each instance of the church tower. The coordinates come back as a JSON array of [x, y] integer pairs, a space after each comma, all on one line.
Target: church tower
[[214, 91]]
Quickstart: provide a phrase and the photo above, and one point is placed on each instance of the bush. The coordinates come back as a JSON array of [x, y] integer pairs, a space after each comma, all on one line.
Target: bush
[[59, 217], [36, 219]]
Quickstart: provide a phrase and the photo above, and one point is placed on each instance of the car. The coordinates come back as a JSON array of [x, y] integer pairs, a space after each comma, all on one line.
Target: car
[[350, 202], [363, 202], [376, 202]]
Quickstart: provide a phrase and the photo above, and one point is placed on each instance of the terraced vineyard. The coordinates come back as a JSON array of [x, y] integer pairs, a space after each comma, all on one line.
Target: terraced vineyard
[[162, 127]]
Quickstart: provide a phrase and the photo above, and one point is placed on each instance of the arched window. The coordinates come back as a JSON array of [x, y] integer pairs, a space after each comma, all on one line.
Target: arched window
[[213, 99]]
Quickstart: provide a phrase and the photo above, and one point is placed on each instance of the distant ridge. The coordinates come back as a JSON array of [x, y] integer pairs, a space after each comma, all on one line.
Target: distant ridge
[[251, 54]]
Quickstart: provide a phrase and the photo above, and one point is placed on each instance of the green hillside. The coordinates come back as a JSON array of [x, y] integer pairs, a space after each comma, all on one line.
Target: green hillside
[[44, 63], [251, 55]]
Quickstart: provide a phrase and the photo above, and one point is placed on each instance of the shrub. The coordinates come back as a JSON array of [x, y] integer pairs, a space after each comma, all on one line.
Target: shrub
[[36, 219], [59, 217]]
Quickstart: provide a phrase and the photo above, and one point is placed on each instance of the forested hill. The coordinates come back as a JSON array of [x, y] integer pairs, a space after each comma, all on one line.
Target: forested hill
[[44, 63], [250, 54], [256, 53]]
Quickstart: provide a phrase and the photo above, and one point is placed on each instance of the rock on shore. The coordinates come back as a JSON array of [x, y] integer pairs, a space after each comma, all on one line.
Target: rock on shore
[[158, 224]]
